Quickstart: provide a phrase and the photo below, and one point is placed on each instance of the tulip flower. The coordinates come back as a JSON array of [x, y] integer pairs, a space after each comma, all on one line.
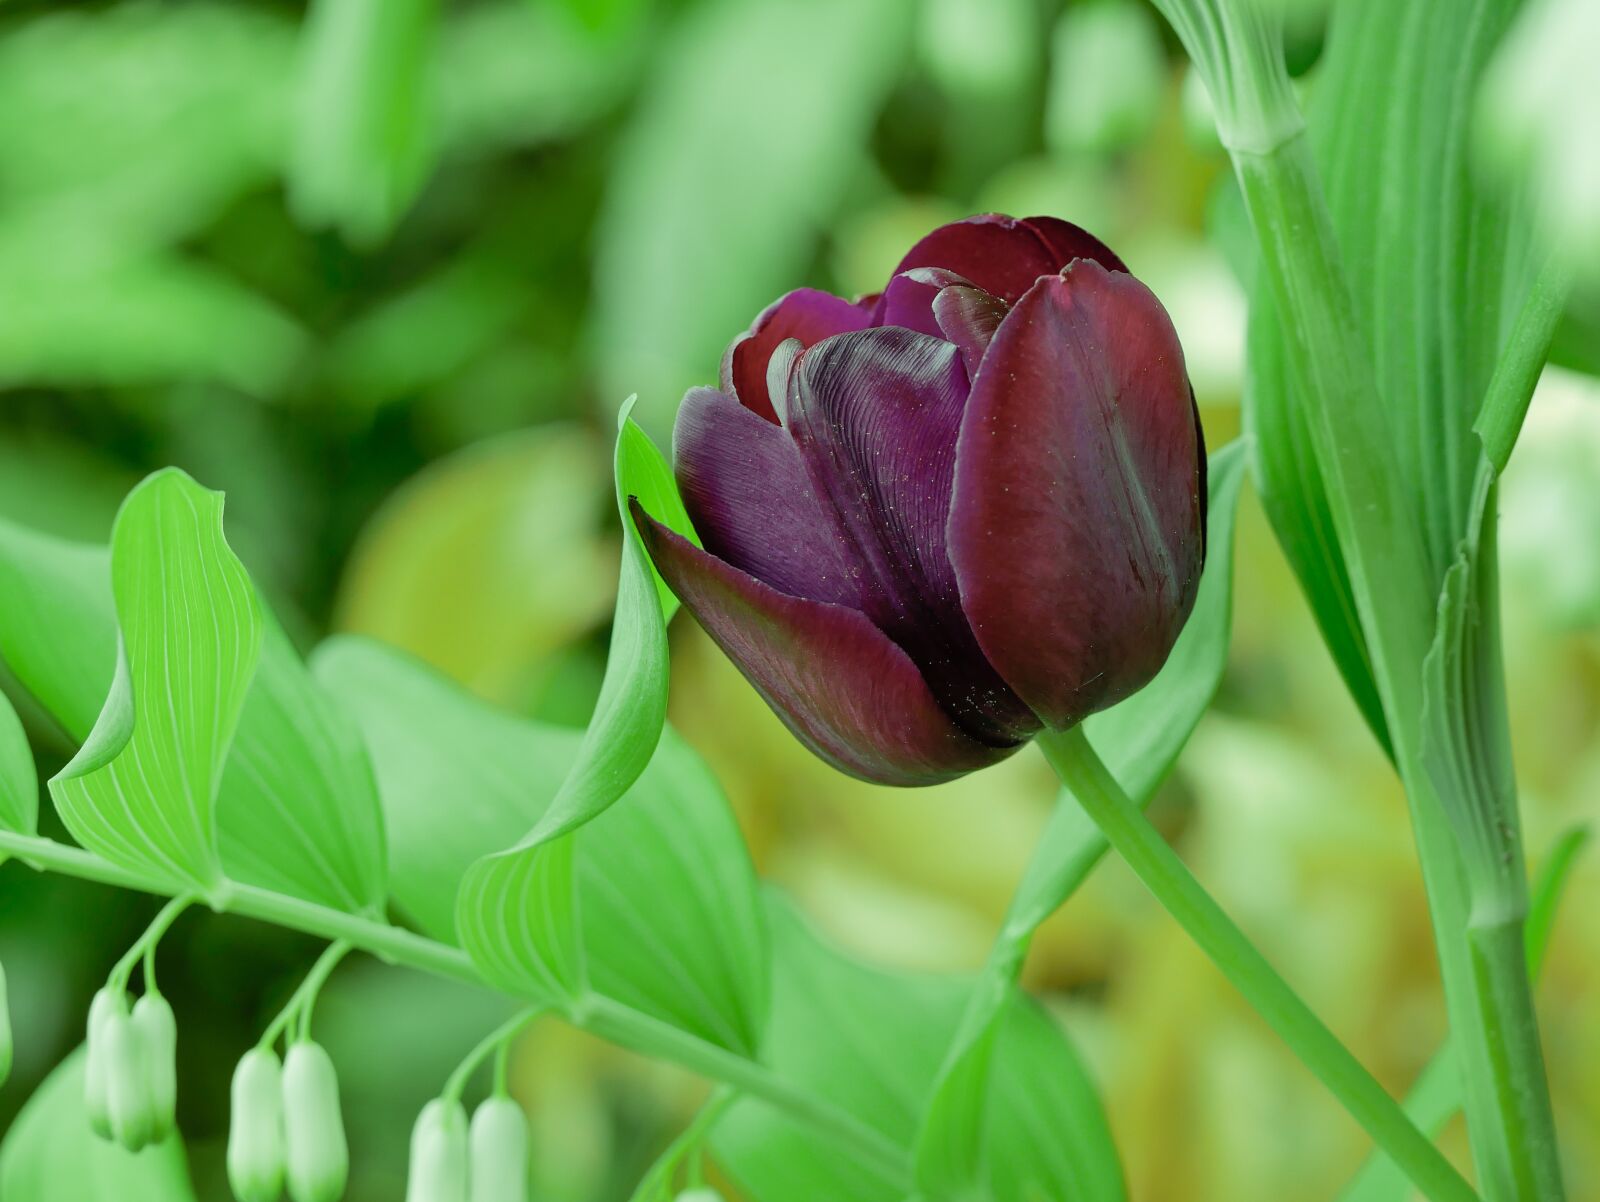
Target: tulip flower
[[939, 519]]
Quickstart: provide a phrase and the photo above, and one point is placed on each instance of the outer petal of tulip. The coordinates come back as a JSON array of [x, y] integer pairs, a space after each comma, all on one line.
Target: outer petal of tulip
[[875, 415], [837, 681], [808, 314], [753, 502], [1005, 255], [1077, 521]]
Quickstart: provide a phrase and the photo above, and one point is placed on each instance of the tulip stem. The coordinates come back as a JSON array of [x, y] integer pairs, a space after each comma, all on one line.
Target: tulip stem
[[1175, 887]]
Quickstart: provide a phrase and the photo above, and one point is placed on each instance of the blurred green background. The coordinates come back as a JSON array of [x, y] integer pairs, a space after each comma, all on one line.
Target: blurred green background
[[384, 269]]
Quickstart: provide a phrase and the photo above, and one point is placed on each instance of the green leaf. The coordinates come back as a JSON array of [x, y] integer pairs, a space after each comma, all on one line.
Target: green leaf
[[19, 780], [363, 139], [666, 910], [871, 1042], [1140, 740], [504, 892], [298, 810], [737, 121], [142, 790], [50, 1155], [58, 626]]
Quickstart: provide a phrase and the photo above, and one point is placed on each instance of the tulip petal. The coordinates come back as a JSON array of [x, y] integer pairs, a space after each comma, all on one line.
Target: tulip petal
[[807, 314], [1005, 255], [968, 316], [1077, 521], [838, 682], [908, 300], [750, 497], [875, 415]]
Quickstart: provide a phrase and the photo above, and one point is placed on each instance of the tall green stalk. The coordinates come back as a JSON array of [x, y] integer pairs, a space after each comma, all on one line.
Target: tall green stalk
[[1175, 887]]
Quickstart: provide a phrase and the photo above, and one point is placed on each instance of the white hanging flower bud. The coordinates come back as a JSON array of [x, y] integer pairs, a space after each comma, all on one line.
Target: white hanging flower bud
[[702, 1194], [158, 1033], [499, 1152], [96, 1092], [318, 1157], [439, 1154], [127, 1081], [255, 1128]]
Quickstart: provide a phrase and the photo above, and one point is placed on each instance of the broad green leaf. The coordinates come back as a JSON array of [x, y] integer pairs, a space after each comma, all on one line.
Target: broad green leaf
[[142, 790], [1140, 740], [739, 150], [871, 1042], [363, 137], [298, 810], [50, 1155], [503, 893], [19, 780], [666, 911], [58, 626], [456, 777]]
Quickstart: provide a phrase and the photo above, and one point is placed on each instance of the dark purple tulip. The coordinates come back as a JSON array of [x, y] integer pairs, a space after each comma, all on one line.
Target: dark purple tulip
[[940, 518]]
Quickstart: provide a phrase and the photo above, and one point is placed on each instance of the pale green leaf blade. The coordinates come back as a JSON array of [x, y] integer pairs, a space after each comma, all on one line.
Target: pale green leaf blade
[[142, 791], [457, 778], [58, 626], [621, 737], [19, 780], [1140, 739], [871, 1042], [668, 916], [50, 1155], [298, 810]]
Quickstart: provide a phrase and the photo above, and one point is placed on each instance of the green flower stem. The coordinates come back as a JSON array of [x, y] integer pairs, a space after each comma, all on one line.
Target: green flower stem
[[601, 1016], [145, 945], [497, 1042], [1436, 1095], [305, 997], [1511, 1031], [1170, 880], [642, 1032]]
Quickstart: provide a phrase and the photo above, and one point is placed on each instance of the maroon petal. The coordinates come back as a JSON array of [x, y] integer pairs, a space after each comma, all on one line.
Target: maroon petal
[[875, 415], [752, 502], [1077, 523], [837, 681], [908, 300], [968, 316], [807, 314], [1005, 255]]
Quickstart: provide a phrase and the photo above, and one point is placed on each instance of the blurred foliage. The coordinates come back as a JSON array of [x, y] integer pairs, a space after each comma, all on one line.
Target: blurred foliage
[[383, 271]]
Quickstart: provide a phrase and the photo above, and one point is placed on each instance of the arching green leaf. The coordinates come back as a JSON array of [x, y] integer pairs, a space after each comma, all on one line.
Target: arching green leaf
[[19, 780], [871, 1042], [142, 790], [58, 626], [664, 908], [298, 810], [514, 913]]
